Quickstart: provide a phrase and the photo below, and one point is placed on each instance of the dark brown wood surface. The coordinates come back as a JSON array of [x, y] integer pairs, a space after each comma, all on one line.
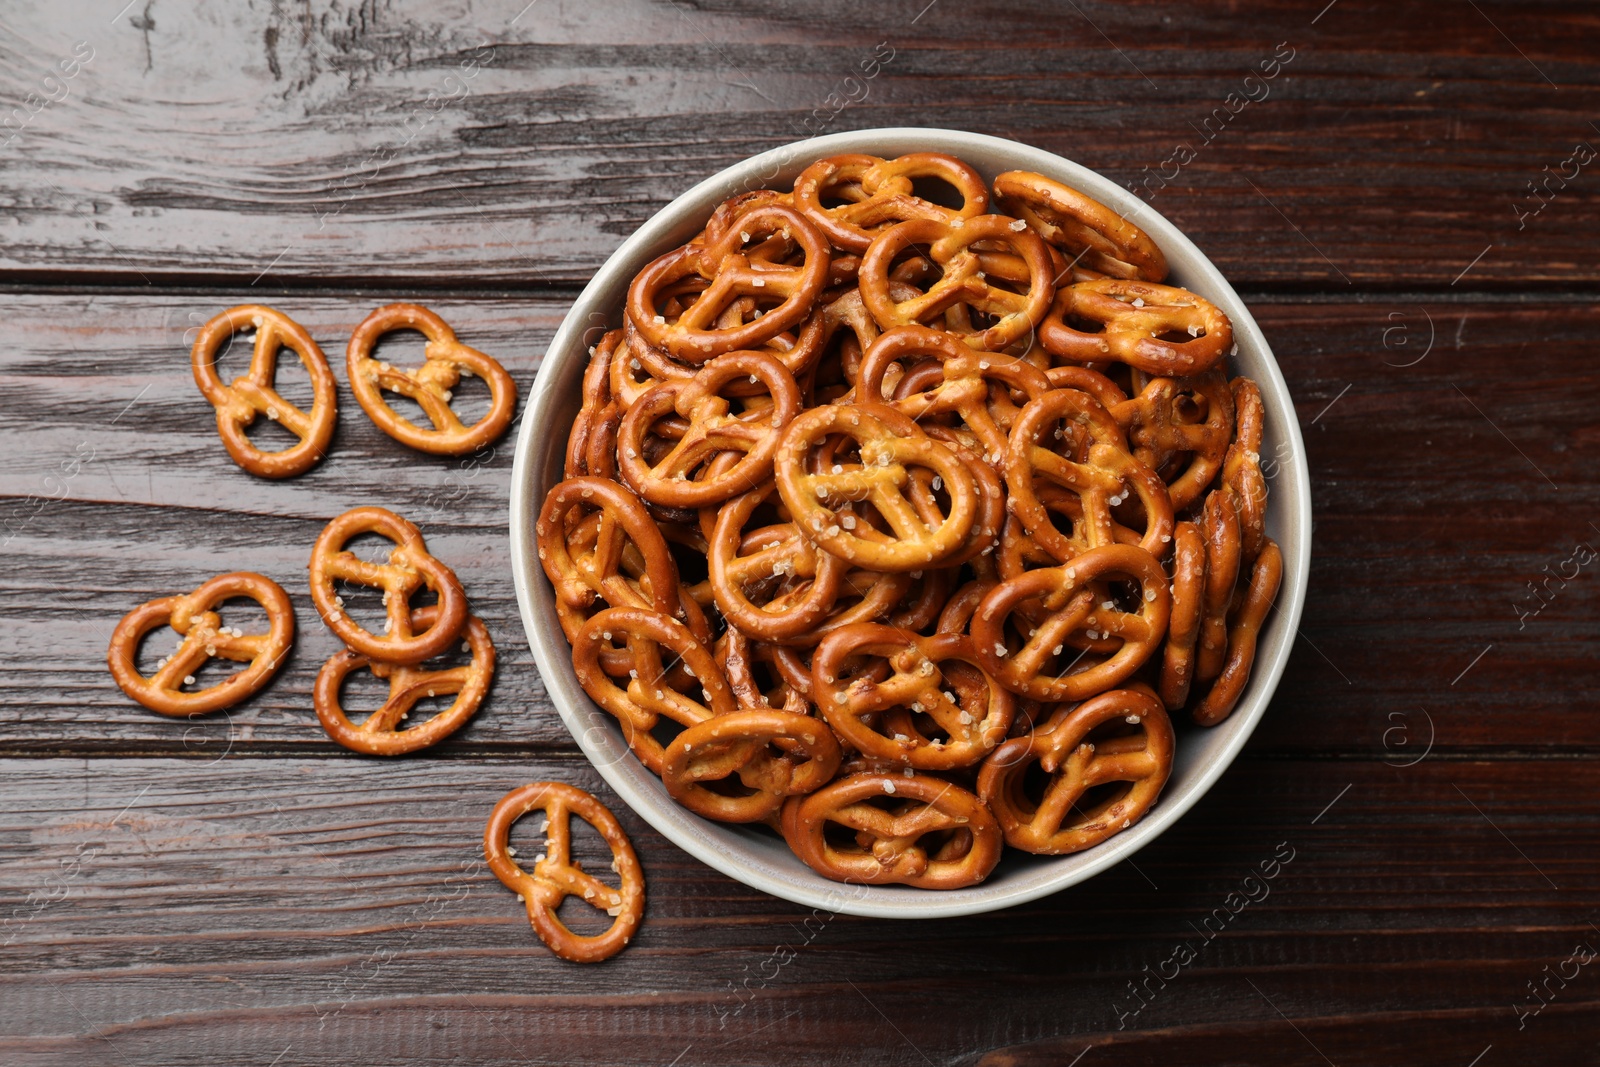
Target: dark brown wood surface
[[239, 891]]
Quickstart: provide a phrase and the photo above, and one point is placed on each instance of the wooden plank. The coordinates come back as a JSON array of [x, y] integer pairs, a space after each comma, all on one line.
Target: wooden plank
[[326, 144], [1429, 484], [180, 911]]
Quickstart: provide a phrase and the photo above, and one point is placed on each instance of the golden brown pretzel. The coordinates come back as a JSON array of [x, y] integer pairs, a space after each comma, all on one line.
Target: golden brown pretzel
[[1244, 628], [742, 560], [1055, 824], [647, 693], [1104, 478], [1241, 469], [380, 734], [891, 448], [964, 279], [1085, 229], [1071, 604], [695, 335], [1188, 603], [429, 385], [253, 394], [960, 381], [1219, 522], [409, 568], [579, 579], [741, 745], [933, 709], [556, 876], [918, 831], [876, 194], [685, 476], [1184, 424], [1134, 319], [194, 616]]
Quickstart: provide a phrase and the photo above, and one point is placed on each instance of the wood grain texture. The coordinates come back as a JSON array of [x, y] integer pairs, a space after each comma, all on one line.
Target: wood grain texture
[[217, 913], [1432, 507], [326, 143]]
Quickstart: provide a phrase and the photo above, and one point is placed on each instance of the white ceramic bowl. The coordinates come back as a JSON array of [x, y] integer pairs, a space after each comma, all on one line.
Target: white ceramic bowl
[[752, 854]]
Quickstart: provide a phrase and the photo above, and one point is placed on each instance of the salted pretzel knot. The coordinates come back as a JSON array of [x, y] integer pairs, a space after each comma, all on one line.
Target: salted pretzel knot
[[1181, 426], [1076, 764], [876, 193], [579, 578], [740, 747], [959, 382], [430, 385], [641, 699], [381, 734], [1136, 321], [1188, 603], [935, 708], [1083, 228], [409, 568], [741, 560], [1103, 476], [963, 279], [556, 875], [253, 394], [1071, 604], [680, 478], [194, 616], [732, 274], [1244, 627], [892, 448], [918, 831]]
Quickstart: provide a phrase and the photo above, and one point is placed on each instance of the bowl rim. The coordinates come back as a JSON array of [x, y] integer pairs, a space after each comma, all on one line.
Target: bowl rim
[[595, 731]]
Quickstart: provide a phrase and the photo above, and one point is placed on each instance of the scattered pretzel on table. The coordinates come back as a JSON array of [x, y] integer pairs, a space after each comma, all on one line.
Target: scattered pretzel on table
[[195, 617], [556, 875], [410, 566], [253, 393], [430, 385], [381, 734], [900, 527]]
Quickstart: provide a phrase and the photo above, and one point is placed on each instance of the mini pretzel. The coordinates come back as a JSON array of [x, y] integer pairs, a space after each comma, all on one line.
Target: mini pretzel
[[1072, 604], [681, 478], [695, 335], [892, 841], [963, 280], [891, 447], [1245, 627], [1182, 423], [937, 686], [194, 616], [253, 394], [1219, 522], [647, 696], [1241, 469], [1188, 601], [410, 567], [1135, 318], [741, 745], [877, 194], [1106, 476], [959, 382], [380, 734], [556, 875], [1082, 227], [429, 385], [1062, 748], [579, 579], [740, 560]]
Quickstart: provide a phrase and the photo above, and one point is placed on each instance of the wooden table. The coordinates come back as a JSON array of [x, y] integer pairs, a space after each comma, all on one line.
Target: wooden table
[[237, 890]]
